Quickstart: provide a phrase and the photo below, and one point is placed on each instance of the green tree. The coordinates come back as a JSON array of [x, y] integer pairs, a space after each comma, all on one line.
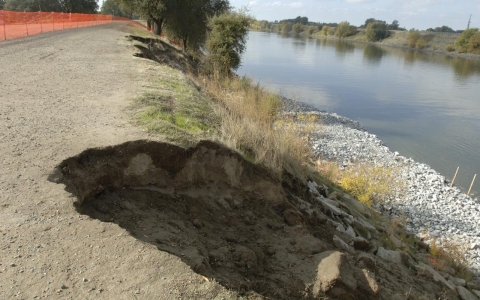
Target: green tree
[[376, 31], [187, 19], [154, 11], [69, 6], [111, 7], [325, 30], [297, 28], [394, 26], [344, 30], [2, 4], [312, 29], [33, 5], [226, 40]]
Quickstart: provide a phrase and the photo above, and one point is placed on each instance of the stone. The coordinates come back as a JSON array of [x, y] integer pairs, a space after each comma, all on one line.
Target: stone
[[334, 276], [366, 260], [342, 245], [366, 282], [350, 232], [397, 257], [458, 281], [476, 293], [421, 267], [474, 284], [465, 294], [360, 243]]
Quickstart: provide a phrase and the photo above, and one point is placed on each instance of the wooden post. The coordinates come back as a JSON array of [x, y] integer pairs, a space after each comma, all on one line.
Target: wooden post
[[451, 184], [4, 30], [468, 193]]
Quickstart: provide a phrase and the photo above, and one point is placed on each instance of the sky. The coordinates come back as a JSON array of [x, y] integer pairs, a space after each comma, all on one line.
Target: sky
[[418, 14]]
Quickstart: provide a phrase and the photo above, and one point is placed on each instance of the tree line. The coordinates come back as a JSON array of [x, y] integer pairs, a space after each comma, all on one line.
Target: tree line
[[67, 6]]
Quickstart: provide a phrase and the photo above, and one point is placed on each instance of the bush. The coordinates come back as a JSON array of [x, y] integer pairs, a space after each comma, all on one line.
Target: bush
[[286, 27], [311, 30], [344, 30], [450, 48], [468, 41], [376, 31], [297, 28], [421, 43], [226, 40], [413, 37], [325, 30]]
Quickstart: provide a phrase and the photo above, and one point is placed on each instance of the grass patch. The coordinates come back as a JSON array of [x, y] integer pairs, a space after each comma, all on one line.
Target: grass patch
[[367, 183], [252, 124], [453, 255]]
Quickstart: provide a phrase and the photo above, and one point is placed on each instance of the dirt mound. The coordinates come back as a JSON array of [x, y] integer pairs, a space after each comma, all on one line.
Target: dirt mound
[[230, 221]]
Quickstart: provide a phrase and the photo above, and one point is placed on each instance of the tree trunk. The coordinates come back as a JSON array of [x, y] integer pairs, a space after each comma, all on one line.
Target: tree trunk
[[157, 26], [185, 40]]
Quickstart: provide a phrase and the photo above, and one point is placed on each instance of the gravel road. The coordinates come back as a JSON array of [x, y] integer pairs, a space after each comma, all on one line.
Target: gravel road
[[63, 92]]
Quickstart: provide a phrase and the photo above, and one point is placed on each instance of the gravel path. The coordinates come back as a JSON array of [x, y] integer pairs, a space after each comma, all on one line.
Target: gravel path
[[63, 92]]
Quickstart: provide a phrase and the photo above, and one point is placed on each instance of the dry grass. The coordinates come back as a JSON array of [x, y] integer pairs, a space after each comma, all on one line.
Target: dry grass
[[250, 124], [453, 255], [367, 183]]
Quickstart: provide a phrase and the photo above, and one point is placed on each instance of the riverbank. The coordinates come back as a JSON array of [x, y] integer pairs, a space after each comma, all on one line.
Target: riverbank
[[433, 210]]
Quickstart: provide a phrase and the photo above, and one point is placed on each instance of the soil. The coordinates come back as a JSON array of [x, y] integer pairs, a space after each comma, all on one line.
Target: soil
[[133, 217]]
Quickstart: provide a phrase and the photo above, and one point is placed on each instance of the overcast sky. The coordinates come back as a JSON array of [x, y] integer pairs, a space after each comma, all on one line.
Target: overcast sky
[[419, 14]]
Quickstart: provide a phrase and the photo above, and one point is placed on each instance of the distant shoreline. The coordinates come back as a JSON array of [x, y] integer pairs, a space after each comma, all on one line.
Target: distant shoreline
[[440, 40]]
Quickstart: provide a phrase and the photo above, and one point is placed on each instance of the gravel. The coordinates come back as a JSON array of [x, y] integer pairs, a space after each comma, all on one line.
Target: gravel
[[433, 209]]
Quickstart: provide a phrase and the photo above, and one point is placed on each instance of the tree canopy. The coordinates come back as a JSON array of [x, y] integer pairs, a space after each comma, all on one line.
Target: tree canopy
[[2, 3], [112, 7], [69, 6], [376, 31]]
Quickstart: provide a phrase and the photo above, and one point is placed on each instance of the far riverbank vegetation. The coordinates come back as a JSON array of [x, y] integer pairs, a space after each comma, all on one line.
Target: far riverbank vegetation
[[442, 38]]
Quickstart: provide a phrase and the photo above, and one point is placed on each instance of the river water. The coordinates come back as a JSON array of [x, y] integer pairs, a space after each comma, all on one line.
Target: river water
[[424, 105]]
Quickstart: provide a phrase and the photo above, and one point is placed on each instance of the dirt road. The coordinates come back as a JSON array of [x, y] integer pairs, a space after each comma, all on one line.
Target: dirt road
[[63, 92]]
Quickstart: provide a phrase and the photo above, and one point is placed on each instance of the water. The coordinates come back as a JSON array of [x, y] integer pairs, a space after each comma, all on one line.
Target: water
[[425, 106]]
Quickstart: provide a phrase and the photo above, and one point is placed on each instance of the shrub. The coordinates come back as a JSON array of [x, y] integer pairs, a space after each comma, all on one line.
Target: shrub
[[226, 40], [463, 43], [286, 27], [311, 30], [297, 28], [344, 30], [376, 31], [325, 30], [421, 43], [450, 48], [413, 37]]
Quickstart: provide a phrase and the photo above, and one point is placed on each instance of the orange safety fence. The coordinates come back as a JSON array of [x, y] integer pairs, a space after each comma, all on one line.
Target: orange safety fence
[[14, 24]]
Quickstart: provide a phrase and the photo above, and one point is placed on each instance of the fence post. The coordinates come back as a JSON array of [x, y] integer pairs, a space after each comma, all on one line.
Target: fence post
[[41, 25], [25, 19], [4, 31], [63, 21]]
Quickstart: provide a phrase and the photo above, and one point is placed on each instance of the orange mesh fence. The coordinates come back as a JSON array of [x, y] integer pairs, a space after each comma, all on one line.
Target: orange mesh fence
[[15, 24]]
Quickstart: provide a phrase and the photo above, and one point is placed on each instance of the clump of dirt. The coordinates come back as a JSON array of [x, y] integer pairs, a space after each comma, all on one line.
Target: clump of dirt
[[232, 222]]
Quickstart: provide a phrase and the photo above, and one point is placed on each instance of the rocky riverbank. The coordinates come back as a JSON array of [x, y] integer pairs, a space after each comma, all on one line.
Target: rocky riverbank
[[433, 209]]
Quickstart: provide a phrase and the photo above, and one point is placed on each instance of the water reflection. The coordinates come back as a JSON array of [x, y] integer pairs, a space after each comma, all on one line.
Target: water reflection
[[463, 68], [342, 48], [373, 54]]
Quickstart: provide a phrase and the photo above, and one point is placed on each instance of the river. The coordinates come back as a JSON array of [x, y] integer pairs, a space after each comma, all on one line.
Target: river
[[424, 105]]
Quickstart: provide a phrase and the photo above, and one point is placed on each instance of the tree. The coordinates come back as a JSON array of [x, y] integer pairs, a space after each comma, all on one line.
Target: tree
[[69, 6], [394, 26], [2, 4], [287, 27], [154, 11], [226, 40], [187, 19], [444, 29], [344, 29], [111, 7], [376, 31]]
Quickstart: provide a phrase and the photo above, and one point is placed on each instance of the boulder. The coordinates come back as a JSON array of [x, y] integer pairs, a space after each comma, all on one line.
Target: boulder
[[465, 294], [397, 257], [342, 245], [360, 243], [334, 276]]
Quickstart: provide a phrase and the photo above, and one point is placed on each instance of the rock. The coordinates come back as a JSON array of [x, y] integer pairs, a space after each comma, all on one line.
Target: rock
[[292, 217], [366, 282], [342, 245], [465, 294], [474, 285], [334, 276], [397, 257], [197, 223], [357, 205], [350, 232], [360, 243], [421, 267], [64, 287], [366, 260], [458, 281], [476, 293]]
